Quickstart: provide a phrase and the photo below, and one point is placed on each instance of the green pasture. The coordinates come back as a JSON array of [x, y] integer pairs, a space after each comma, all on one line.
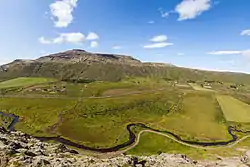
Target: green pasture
[[234, 109], [24, 81], [128, 85], [102, 122], [36, 115], [95, 89], [153, 144], [199, 118]]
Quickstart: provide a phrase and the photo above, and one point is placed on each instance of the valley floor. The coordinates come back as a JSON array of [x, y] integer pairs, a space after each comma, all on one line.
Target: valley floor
[[96, 115]]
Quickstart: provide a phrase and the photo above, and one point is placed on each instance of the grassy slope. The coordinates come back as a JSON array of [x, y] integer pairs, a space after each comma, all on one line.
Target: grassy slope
[[24, 81], [106, 72], [234, 110]]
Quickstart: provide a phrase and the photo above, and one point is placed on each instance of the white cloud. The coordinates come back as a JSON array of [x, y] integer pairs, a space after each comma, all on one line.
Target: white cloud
[[92, 36], [245, 53], [61, 12], [159, 38], [190, 9], [74, 38], [42, 40], [117, 47], [245, 32], [151, 22], [159, 41], [157, 45], [163, 13], [230, 52], [94, 44], [225, 52]]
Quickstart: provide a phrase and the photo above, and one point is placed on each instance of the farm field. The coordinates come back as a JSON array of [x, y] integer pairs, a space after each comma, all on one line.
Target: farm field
[[92, 89], [24, 81], [234, 109], [199, 110]]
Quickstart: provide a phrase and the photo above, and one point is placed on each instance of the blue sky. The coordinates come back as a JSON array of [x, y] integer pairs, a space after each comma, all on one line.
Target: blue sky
[[206, 34]]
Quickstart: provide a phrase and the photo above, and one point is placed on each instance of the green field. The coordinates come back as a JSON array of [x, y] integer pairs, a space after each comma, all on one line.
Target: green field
[[154, 144], [24, 81], [93, 89], [102, 122], [129, 85], [96, 114], [36, 115], [233, 109], [199, 110]]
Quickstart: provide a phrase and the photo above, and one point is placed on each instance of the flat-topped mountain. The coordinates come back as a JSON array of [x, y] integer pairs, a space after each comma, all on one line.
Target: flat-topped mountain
[[81, 56], [79, 65]]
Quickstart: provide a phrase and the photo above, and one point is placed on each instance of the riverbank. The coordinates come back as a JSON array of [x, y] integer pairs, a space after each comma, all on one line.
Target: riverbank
[[134, 140]]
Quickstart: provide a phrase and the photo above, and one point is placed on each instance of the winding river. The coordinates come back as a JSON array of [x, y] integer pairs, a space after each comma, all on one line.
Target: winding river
[[132, 137]]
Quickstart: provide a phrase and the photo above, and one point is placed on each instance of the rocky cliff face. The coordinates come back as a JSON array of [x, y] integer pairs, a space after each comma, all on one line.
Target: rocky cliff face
[[19, 149]]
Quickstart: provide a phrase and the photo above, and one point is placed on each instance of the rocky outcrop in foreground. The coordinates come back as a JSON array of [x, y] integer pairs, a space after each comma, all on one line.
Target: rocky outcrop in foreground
[[19, 149]]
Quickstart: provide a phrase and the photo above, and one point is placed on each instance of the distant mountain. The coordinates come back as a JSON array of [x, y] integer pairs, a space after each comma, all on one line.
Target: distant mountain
[[79, 65]]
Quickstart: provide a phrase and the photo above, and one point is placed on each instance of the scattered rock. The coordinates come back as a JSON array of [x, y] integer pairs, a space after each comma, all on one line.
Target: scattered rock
[[73, 152], [15, 146], [3, 130], [244, 159], [4, 160], [61, 149], [219, 158], [31, 154], [41, 162]]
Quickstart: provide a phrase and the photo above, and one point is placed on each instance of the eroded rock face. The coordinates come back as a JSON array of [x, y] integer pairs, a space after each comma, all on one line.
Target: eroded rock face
[[19, 149]]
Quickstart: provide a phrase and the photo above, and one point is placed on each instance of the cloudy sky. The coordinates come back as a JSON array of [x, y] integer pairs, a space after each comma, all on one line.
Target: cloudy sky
[[206, 34]]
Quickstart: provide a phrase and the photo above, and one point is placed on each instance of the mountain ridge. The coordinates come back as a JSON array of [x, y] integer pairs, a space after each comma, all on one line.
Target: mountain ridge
[[82, 65]]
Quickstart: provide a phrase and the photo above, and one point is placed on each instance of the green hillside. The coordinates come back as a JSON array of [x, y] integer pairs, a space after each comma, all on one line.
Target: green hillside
[[81, 66]]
